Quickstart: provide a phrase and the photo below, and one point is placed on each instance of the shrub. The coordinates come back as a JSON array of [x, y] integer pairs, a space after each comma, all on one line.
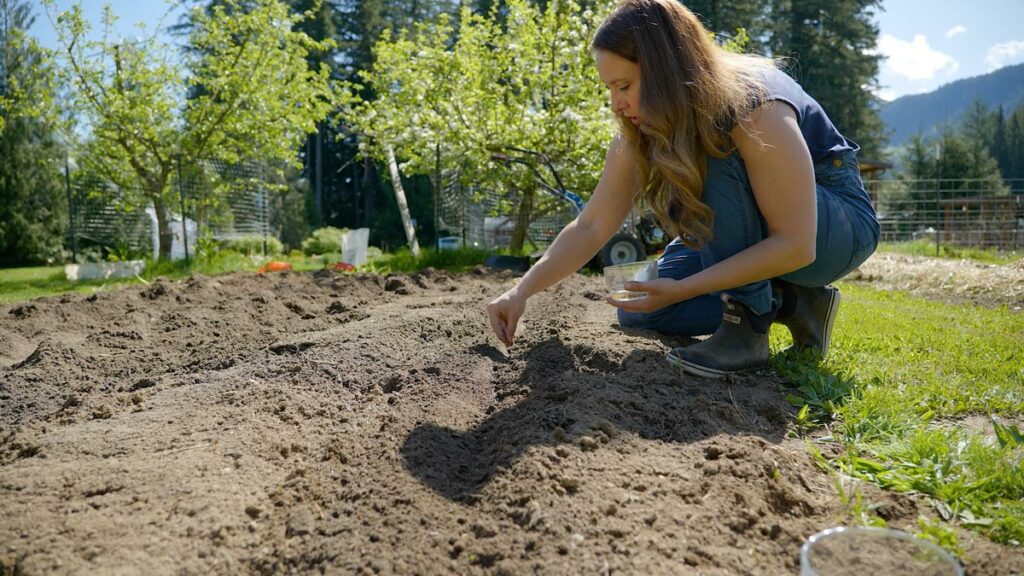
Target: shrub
[[250, 245], [323, 241]]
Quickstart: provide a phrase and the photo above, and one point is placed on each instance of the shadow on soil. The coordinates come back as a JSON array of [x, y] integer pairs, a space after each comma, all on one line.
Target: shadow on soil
[[572, 393]]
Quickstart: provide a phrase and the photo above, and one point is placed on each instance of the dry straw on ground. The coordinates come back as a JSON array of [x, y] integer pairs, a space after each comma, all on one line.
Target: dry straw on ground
[[948, 280]]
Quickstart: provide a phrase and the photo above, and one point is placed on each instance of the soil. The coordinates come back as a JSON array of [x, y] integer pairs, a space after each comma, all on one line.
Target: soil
[[344, 424]]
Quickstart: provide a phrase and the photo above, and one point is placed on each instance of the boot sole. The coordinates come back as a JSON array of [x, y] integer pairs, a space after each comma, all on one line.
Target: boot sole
[[696, 369], [830, 318]]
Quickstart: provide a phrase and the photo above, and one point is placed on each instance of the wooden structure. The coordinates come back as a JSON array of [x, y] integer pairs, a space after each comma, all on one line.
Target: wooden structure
[[870, 172], [984, 221]]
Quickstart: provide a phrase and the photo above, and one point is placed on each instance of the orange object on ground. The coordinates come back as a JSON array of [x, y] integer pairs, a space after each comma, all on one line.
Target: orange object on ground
[[343, 267], [275, 266]]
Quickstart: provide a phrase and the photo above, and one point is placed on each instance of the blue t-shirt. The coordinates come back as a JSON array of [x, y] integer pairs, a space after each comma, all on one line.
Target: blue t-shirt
[[821, 135]]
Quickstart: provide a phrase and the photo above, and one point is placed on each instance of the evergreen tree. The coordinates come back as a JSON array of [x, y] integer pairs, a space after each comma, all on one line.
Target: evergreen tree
[[831, 47], [999, 147], [33, 210], [918, 181], [724, 17], [965, 167], [979, 122], [1015, 144]]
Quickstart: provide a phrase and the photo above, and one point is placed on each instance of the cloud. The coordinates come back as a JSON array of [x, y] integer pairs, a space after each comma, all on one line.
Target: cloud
[[956, 30], [887, 95], [1005, 54], [914, 60]]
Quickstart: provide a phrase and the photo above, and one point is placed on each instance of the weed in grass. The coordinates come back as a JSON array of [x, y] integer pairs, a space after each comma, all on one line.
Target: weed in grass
[[910, 367], [852, 501], [940, 534]]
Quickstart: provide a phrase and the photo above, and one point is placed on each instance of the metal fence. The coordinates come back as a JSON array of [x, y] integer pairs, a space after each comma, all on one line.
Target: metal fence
[[208, 199], [486, 219], [986, 214]]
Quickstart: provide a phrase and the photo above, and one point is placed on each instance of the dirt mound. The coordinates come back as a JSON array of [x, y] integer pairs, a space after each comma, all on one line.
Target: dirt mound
[[360, 424]]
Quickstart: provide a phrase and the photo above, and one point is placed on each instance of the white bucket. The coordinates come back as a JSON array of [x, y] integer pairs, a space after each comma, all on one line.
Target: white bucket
[[354, 244]]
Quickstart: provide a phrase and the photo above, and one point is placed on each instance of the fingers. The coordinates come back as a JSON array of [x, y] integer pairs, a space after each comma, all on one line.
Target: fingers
[[498, 324], [638, 305], [510, 331]]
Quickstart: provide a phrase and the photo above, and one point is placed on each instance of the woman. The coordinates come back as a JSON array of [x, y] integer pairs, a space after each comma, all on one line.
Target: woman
[[761, 191]]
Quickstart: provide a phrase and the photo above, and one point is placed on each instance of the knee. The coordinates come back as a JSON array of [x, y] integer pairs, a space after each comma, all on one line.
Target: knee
[[646, 320], [693, 318]]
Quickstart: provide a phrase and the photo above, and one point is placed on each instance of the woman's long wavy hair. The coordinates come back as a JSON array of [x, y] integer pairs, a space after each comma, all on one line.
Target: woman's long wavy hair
[[692, 92]]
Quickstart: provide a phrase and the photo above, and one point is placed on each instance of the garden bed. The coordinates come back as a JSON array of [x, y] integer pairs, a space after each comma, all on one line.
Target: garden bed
[[361, 424]]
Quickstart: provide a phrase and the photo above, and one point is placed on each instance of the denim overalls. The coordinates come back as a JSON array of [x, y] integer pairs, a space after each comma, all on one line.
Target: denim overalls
[[847, 235]]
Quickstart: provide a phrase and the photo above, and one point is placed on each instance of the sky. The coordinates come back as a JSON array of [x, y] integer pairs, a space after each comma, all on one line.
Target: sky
[[925, 43]]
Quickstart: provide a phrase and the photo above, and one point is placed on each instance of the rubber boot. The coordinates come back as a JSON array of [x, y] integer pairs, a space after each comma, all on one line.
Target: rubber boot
[[809, 313], [741, 342]]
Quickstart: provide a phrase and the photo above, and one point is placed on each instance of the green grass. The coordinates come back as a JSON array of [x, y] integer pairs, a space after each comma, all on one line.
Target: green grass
[[927, 248], [17, 284], [901, 376], [403, 261]]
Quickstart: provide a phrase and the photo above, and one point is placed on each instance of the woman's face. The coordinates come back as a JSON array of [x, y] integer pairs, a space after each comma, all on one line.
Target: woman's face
[[622, 78]]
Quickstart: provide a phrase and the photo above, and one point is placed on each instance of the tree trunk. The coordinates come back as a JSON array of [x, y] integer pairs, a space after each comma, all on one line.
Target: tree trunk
[[522, 221], [165, 236], [164, 233], [403, 206]]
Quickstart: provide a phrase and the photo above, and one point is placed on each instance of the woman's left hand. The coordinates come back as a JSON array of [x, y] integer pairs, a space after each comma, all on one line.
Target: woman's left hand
[[660, 293]]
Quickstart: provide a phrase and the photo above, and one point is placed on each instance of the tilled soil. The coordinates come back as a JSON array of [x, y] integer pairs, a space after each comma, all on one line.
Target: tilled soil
[[343, 424]]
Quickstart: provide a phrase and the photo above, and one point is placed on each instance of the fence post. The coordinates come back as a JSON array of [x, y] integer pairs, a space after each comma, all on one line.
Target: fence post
[[71, 209], [263, 218], [184, 227], [938, 215]]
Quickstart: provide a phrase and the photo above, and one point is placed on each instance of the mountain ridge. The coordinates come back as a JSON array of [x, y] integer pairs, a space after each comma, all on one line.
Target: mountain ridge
[[926, 113]]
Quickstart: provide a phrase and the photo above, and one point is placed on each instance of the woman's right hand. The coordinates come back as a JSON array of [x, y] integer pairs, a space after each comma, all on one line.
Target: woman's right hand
[[504, 313]]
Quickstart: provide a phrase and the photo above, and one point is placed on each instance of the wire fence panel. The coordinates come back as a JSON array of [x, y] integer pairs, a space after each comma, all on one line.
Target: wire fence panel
[[957, 212], [983, 214], [229, 201], [101, 221], [486, 219], [209, 198]]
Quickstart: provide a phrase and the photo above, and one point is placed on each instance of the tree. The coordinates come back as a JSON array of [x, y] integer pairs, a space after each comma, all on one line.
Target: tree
[[33, 212], [832, 47], [1015, 143], [725, 17], [965, 166], [979, 123], [477, 88], [259, 97]]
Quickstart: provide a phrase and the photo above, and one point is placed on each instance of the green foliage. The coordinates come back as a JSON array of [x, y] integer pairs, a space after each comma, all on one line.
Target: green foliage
[[323, 241], [473, 87], [33, 210], [253, 245], [940, 534], [862, 513], [457, 261], [927, 248], [28, 81], [254, 97], [912, 369]]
